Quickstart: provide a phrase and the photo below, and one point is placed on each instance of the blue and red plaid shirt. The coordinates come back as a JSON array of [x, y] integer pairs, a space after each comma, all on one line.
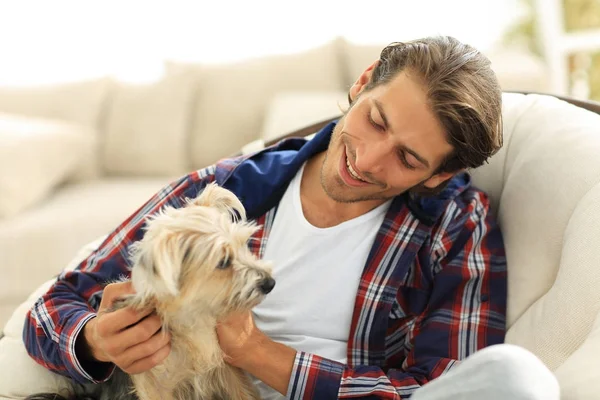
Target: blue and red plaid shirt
[[432, 292]]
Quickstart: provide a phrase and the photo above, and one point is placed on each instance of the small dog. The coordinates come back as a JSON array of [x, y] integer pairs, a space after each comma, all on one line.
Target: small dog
[[193, 267]]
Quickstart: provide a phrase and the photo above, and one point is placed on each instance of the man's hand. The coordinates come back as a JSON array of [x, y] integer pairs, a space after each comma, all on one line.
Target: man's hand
[[239, 338], [246, 347], [130, 339]]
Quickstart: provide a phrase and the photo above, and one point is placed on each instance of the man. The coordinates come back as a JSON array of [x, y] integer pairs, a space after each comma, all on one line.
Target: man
[[390, 268]]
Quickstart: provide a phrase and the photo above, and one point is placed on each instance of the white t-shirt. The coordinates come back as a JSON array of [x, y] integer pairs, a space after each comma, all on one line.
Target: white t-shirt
[[317, 271]]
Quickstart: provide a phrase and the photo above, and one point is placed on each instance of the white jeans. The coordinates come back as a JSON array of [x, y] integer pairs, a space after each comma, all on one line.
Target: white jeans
[[499, 372]]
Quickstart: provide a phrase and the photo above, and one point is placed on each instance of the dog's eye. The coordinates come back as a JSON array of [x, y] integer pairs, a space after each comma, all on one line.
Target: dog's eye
[[187, 256], [224, 263]]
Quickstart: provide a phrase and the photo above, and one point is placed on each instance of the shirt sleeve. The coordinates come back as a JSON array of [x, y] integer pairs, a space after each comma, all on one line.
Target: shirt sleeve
[[465, 312], [54, 322]]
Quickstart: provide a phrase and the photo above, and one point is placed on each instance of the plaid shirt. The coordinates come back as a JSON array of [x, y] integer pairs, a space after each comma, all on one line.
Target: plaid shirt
[[432, 292]]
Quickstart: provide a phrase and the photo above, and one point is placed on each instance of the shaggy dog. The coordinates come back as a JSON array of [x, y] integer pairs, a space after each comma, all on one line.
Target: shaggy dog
[[193, 267]]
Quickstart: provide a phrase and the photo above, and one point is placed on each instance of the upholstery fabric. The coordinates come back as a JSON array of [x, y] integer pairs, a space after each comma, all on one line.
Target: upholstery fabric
[[244, 89], [36, 155], [146, 128]]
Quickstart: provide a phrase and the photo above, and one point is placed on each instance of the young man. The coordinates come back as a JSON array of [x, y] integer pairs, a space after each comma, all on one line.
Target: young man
[[390, 268]]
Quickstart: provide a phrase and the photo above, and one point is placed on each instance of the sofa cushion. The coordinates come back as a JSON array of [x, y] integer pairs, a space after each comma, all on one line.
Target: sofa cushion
[[147, 127], [290, 111], [36, 155], [355, 58], [78, 102], [548, 186], [244, 90]]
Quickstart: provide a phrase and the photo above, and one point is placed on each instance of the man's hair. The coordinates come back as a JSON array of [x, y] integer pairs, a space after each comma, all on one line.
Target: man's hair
[[462, 91]]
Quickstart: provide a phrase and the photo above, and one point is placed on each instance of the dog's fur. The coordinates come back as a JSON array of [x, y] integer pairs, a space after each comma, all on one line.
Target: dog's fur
[[193, 267]]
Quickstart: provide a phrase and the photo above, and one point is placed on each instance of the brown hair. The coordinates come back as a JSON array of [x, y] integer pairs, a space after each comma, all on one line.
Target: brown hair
[[463, 93]]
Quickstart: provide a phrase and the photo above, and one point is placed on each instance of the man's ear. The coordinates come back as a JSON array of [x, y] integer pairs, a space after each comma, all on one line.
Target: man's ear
[[437, 179], [362, 80]]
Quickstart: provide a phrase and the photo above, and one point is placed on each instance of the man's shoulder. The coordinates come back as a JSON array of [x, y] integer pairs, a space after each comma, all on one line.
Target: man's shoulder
[[256, 178], [471, 197], [286, 155], [459, 199], [471, 206], [466, 215], [275, 162]]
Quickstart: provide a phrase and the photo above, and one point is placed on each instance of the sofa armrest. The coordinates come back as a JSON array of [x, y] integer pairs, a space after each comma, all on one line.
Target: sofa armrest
[[20, 376]]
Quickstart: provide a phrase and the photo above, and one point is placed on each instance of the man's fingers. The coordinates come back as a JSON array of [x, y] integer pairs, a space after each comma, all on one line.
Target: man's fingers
[[115, 290], [114, 322], [143, 350], [140, 332], [149, 362]]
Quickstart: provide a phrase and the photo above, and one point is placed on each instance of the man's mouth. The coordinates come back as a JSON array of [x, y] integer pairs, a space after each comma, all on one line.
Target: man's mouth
[[353, 172], [349, 174]]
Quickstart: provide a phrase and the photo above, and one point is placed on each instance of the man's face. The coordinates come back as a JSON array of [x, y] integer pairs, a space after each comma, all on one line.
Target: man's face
[[390, 139]]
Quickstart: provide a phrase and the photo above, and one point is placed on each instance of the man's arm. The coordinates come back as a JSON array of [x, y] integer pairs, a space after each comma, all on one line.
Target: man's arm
[[52, 327], [466, 312]]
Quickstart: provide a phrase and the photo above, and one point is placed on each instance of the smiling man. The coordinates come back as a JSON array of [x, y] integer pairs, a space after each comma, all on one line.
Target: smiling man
[[390, 268], [387, 143]]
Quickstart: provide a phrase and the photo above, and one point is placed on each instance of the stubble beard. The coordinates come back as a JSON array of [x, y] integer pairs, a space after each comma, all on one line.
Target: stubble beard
[[333, 194]]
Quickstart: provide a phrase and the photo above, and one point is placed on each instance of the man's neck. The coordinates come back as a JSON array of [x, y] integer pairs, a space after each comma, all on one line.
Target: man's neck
[[320, 209]]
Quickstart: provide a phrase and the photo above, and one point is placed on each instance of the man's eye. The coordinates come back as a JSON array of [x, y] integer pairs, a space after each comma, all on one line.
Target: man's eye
[[375, 124], [408, 165]]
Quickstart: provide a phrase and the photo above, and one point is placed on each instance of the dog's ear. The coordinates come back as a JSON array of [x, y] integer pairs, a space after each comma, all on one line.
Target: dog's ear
[[167, 255], [158, 254], [215, 196]]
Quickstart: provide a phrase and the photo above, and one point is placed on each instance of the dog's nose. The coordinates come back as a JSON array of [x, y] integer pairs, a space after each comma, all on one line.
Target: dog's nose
[[266, 285]]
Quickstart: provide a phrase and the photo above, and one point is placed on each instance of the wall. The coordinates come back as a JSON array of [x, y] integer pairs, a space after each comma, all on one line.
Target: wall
[[42, 42]]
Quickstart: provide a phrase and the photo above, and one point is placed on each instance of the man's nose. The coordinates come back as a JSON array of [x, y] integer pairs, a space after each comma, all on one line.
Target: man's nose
[[370, 156]]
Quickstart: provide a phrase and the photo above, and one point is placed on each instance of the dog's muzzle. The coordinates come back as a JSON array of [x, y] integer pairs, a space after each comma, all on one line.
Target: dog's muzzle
[[266, 285]]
